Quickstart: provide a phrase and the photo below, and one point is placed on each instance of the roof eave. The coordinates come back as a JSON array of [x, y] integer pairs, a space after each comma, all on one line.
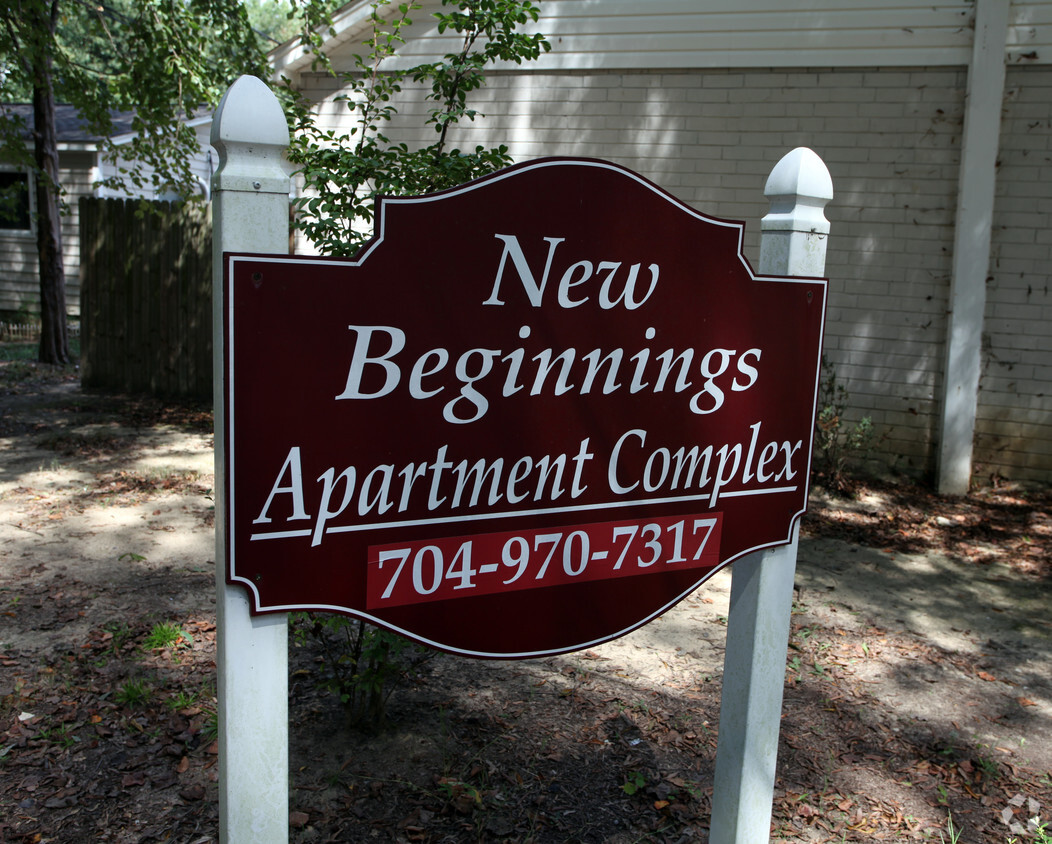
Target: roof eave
[[127, 137], [77, 146], [291, 57]]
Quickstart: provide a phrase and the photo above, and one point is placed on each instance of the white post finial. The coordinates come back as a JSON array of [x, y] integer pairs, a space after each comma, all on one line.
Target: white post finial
[[795, 229], [250, 196], [250, 134], [793, 244]]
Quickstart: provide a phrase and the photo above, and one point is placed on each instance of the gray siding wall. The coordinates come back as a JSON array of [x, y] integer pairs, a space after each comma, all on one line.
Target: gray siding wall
[[1014, 423], [891, 139], [19, 280]]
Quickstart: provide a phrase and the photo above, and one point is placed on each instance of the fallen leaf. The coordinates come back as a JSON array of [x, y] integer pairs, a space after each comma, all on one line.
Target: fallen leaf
[[133, 779], [1025, 701], [298, 819]]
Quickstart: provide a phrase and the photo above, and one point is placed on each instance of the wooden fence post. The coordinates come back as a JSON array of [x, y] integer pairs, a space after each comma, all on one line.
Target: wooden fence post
[[793, 244], [251, 214]]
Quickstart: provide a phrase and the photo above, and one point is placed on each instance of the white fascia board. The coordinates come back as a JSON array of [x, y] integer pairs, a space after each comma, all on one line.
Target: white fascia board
[[291, 57], [77, 146], [127, 137]]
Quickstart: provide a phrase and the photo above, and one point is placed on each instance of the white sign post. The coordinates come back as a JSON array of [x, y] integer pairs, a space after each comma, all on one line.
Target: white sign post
[[250, 214], [793, 244]]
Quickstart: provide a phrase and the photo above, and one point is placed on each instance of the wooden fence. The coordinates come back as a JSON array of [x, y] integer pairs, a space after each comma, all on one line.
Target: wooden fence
[[146, 297]]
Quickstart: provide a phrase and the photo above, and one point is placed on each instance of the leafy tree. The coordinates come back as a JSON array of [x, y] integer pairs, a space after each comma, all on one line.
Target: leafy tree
[[344, 174], [163, 60], [160, 59], [278, 21]]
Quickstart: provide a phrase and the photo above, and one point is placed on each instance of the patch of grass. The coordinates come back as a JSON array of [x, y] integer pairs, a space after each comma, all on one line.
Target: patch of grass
[[461, 795], [133, 694], [988, 766], [119, 632], [131, 555], [30, 349], [16, 372], [183, 700], [60, 736], [18, 351], [211, 730], [18, 364], [165, 635], [955, 834]]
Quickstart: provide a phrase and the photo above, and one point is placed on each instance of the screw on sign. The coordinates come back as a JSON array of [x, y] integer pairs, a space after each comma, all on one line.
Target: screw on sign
[[532, 414]]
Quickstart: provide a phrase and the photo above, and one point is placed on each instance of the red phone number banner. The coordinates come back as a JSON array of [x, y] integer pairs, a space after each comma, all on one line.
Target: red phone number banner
[[489, 563]]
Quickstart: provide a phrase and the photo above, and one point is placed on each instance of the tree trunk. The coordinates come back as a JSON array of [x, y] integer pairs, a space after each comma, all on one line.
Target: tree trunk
[[54, 337]]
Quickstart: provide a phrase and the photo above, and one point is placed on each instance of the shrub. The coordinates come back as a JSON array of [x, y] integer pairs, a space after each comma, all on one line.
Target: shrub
[[838, 443]]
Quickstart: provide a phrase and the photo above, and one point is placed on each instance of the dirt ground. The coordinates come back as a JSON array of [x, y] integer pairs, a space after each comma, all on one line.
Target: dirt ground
[[918, 701]]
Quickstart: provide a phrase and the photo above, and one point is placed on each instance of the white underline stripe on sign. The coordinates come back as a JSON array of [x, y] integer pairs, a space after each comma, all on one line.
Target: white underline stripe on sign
[[288, 534]]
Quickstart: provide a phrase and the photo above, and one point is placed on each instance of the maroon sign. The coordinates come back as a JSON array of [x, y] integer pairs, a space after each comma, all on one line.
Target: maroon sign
[[531, 415]]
